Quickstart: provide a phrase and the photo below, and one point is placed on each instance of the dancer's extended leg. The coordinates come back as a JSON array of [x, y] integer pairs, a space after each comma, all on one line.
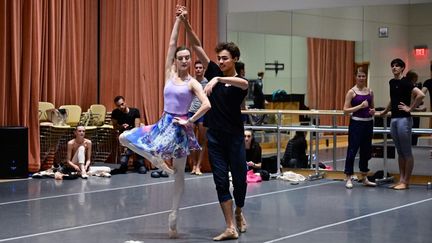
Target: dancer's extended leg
[[156, 161]]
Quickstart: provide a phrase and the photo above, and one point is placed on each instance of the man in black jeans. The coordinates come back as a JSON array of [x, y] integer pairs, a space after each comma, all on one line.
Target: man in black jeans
[[125, 118]]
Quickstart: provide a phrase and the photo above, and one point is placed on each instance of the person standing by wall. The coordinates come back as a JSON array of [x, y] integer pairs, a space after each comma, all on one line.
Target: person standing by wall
[[259, 100], [197, 156], [400, 105], [412, 76], [359, 102], [427, 86]]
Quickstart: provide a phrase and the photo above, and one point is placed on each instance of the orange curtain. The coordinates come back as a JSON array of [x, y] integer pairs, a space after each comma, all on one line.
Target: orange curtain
[[134, 40], [20, 31], [330, 75], [48, 52], [69, 52]]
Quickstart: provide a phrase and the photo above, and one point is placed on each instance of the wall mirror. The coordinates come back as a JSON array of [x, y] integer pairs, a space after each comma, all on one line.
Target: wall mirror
[[277, 41]]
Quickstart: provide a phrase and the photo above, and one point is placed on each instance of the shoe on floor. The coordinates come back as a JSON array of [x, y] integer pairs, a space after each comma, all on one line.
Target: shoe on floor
[[142, 170], [349, 184], [155, 174], [37, 175], [163, 173], [105, 174], [85, 176], [118, 171]]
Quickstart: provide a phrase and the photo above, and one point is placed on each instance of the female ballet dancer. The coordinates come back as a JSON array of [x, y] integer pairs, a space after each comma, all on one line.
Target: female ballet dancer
[[172, 136]]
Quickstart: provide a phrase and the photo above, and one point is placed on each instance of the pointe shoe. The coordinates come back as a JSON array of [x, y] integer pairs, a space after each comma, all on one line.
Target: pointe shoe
[[349, 184], [172, 234], [172, 222], [241, 223], [366, 182], [160, 163], [228, 234], [198, 173]]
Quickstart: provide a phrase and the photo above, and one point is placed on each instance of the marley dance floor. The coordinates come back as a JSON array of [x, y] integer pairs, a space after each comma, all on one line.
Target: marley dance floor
[[134, 208]]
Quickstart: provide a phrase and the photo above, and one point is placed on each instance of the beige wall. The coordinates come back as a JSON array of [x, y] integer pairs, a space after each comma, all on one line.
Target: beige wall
[[268, 36]]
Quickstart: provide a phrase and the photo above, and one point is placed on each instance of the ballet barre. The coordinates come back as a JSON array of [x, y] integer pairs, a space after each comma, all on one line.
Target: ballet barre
[[315, 127]]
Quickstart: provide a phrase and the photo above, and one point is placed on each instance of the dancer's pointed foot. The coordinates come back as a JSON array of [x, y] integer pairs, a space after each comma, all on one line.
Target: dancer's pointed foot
[[172, 234], [228, 234], [172, 222], [160, 163], [241, 222]]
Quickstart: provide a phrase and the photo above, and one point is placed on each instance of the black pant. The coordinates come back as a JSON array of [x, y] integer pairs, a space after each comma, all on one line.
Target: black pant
[[124, 159]]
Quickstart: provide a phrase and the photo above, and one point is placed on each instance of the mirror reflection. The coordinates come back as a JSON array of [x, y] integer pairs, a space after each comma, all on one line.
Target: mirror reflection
[[312, 56], [277, 44]]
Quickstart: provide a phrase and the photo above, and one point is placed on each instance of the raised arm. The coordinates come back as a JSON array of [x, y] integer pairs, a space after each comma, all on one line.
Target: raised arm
[[194, 40], [171, 48]]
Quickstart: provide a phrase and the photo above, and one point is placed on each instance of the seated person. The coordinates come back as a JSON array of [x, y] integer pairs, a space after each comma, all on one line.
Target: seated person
[[78, 154], [295, 152], [125, 118], [253, 152]]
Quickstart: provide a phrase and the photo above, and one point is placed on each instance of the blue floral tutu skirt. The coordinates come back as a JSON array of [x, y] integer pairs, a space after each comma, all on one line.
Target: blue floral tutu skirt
[[164, 139]]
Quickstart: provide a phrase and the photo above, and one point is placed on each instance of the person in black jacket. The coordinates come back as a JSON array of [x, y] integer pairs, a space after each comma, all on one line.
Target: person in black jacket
[[295, 152], [253, 151], [258, 93]]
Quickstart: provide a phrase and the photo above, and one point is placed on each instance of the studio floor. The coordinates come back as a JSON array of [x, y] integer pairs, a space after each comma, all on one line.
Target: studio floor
[[134, 208]]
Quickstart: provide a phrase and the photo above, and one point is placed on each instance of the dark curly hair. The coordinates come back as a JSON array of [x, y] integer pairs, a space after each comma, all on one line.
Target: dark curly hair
[[232, 48]]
